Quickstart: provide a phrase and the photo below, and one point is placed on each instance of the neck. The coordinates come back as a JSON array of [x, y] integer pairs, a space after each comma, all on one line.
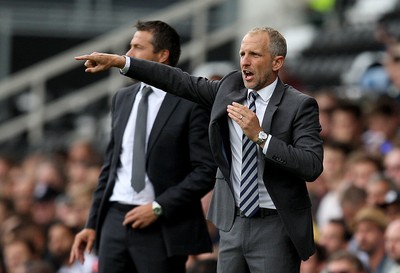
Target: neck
[[376, 258]]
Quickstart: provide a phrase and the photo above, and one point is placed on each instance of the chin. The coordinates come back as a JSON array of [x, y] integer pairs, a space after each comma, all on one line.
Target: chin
[[248, 85]]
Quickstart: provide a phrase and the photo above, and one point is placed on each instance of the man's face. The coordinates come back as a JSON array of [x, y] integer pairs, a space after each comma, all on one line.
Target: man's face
[[392, 64], [141, 47], [392, 166], [392, 241], [256, 62], [332, 237], [334, 163], [369, 236], [60, 242], [376, 192], [344, 126]]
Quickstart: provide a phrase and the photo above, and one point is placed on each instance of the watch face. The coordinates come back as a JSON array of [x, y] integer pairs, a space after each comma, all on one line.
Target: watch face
[[263, 135], [157, 210]]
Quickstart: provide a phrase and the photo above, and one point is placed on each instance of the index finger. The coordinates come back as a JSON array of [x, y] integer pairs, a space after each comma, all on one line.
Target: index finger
[[74, 254], [83, 57]]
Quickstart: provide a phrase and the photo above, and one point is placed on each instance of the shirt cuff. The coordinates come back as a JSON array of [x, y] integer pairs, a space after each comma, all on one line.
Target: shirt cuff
[[127, 65], [266, 144]]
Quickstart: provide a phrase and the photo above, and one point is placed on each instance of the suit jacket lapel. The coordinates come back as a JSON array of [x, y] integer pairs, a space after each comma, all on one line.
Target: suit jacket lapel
[[224, 100], [219, 133], [124, 113], [273, 106], [167, 107]]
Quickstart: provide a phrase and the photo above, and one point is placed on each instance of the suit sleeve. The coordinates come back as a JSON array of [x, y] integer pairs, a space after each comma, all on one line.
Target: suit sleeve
[[301, 154], [173, 80], [102, 181]]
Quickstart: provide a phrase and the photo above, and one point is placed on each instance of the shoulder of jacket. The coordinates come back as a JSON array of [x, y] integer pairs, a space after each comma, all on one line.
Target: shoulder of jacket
[[290, 90], [233, 80]]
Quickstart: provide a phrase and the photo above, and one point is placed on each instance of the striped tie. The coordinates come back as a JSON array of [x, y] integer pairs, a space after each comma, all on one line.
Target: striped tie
[[249, 199]]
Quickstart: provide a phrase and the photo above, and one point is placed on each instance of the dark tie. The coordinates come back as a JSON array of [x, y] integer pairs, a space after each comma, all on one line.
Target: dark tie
[[249, 199], [139, 143]]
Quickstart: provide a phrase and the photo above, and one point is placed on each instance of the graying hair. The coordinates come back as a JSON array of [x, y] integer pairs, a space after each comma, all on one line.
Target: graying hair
[[277, 43]]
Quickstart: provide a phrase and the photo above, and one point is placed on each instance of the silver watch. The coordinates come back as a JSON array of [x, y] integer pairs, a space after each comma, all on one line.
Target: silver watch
[[262, 137], [157, 209]]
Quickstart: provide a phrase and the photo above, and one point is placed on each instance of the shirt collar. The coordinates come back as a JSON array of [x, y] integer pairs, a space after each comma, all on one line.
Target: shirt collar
[[266, 92], [156, 91]]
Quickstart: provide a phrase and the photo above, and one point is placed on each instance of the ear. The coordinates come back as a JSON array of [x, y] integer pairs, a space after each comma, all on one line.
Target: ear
[[277, 63], [163, 56]]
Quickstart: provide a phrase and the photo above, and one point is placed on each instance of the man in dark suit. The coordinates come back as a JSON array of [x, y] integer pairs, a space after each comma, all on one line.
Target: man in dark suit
[[155, 227], [265, 139]]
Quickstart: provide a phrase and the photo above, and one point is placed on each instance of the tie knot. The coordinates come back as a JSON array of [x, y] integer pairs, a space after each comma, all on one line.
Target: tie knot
[[146, 91], [253, 96]]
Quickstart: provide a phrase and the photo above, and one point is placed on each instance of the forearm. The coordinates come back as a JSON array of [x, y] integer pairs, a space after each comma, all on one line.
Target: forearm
[[174, 80]]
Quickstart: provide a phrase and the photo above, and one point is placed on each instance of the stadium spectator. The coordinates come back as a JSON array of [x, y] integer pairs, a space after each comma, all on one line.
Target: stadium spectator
[[334, 236], [369, 233], [344, 261], [377, 188], [392, 244], [347, 124], [391, 163]]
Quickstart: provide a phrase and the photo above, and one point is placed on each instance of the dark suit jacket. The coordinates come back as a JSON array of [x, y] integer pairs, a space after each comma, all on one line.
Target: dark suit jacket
[[294, 153], [179, 164]]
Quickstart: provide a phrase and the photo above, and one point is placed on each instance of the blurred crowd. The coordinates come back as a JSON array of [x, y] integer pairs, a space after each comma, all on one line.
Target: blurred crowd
[[356, 200], [44, 201], [46, 196]]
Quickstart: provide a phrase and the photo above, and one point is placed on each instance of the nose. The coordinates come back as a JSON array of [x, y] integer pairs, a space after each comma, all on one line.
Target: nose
[[130, 52], [245, 60]]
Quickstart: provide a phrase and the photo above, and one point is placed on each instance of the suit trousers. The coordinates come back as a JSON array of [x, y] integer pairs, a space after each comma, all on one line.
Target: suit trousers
[[123, 249], [257, 245]]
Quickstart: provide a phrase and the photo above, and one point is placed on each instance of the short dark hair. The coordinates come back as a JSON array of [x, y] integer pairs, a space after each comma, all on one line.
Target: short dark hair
[[164, 37], [347, 256], [350, 107], [347, 235]]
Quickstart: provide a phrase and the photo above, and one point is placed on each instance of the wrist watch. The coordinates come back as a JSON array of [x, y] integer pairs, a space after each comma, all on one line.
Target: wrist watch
[[262, 137], [157, 209]]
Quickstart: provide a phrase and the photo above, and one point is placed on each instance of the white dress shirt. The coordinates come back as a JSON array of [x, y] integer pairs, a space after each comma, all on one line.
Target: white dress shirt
[[123, 191], [236, 133]]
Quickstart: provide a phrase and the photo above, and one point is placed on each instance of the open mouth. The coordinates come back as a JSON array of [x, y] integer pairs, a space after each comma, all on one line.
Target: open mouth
[[247, 75]]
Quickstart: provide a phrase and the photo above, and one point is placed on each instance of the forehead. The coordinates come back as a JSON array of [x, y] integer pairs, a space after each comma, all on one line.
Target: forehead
[[142, 37], [367, 225], [342, 264], [393, 230], [255, 40], [393, 156], [332, 228]]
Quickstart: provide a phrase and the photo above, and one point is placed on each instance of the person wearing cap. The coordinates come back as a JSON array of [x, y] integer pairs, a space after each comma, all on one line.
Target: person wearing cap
[[369, 232], [44, 206]]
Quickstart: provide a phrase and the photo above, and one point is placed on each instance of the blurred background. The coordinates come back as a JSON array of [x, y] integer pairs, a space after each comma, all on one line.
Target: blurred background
[[46, 101], [54, 118]]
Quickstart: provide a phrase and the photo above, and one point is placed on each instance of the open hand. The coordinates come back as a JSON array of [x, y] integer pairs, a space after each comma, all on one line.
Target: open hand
[[246, 119], [83, 242]]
